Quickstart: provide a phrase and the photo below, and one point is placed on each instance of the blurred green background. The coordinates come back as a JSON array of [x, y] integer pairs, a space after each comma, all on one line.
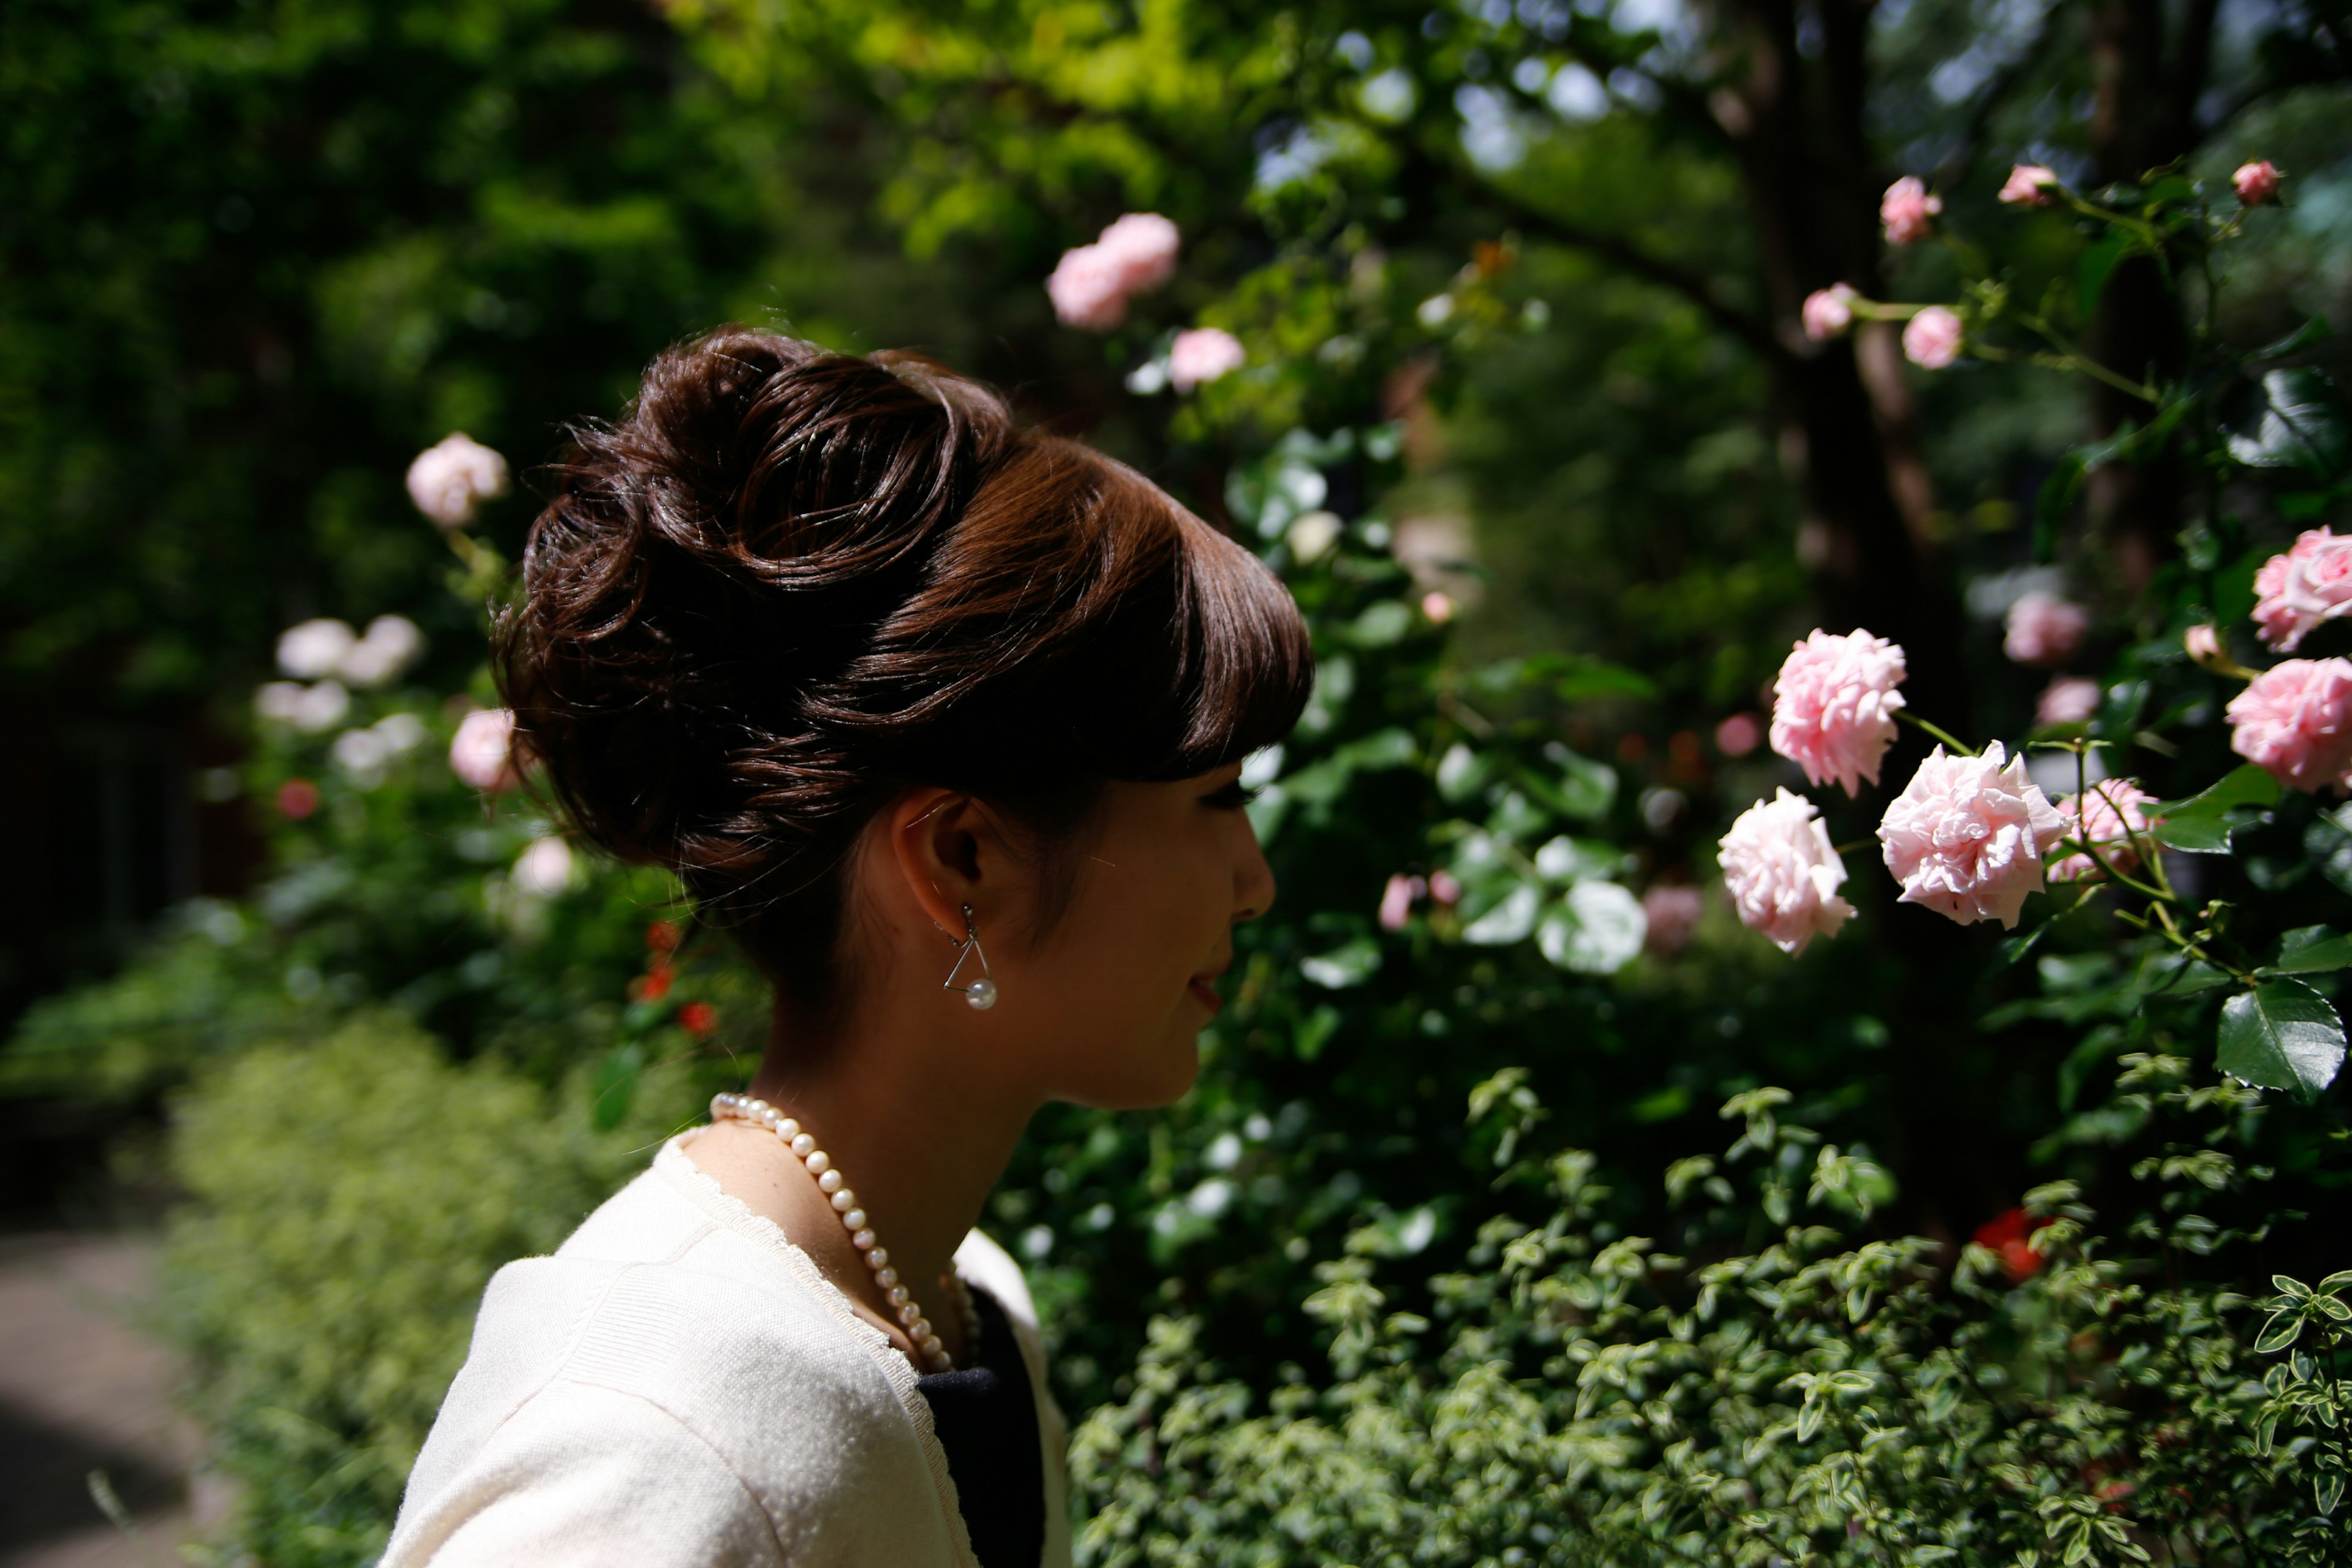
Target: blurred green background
[[1518, 285]]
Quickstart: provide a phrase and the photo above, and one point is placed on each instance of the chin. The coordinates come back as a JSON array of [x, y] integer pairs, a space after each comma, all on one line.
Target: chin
[[1156, 1079]]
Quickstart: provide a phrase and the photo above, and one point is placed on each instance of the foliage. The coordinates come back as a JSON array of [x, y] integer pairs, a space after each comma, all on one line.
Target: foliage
[[352, 1194], [1582, 1396], [1504, 341]]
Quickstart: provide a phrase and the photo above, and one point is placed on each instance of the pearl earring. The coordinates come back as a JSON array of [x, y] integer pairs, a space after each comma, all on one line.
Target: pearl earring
[[981, 993]]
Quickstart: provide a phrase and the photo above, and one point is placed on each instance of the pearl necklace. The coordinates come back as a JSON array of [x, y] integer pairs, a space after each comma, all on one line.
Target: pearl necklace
[[836, 1187]]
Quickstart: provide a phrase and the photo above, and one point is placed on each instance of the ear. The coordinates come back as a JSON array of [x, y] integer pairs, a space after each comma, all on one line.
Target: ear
[[949, 851]]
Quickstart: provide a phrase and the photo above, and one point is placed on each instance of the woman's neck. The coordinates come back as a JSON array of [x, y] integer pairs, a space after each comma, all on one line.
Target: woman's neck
[[920, 1142]]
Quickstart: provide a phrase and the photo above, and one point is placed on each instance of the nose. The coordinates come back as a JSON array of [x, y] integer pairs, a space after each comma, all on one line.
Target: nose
[[1253, 877]]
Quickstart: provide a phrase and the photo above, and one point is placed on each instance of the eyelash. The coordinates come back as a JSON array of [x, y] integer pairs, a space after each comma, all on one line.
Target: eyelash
[[1232, 797]]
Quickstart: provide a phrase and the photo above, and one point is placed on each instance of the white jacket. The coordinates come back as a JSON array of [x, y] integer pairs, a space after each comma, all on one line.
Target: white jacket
[[678, 1385]]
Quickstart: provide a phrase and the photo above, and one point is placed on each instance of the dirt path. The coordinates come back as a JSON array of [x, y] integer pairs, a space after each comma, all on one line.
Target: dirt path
[[82, 1390]]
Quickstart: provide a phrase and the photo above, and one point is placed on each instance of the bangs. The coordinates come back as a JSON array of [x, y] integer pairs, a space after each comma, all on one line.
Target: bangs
[[1251, 667]]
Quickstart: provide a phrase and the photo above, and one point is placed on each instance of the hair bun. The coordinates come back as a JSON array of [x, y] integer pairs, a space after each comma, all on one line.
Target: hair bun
[[790, 582]]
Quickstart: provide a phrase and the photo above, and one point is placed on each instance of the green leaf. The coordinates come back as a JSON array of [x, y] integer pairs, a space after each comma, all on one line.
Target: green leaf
[[2169, 975], [2247, 786], [2053, 501], [2315, 331], [2327, 1491], [2335, 1282], [2099, 263], [2202, 822], [2012, 949], [2310, 950], [1598, 929], [2282, 1034], [1587, 788], [1351, 963], [2300, 424], [614, 1086]]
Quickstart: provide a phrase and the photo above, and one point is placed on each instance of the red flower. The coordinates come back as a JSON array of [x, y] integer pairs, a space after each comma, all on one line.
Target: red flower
[[661, 937], [2006, 1233], [652, 985], [298, 798], [697, 1018]]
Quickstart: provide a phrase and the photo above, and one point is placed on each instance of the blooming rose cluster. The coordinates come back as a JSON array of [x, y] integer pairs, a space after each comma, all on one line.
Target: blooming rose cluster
[[1969, 835], [2310, 583], [1908, 212], [452, 477], [2043, 628], [1833, 706], [2294, 722], [1783, 874], [2117, 812], [1091, 285]]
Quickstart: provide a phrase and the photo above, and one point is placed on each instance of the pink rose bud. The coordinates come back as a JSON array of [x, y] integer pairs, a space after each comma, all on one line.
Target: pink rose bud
[[1829, 312], [1833, 706], [2029, 186], [1782, 873], [2256, 182], [2294, 722], [1908, 212], [1931, 340], [1437, 607], [2204, 645], [1202, 355], [1397, 901], [2296, 591], [2043, 628], [2118, 810], [1444, 889], [2069, 699], [482, 753], [452, 477], [1967, 836], [1673, 910]]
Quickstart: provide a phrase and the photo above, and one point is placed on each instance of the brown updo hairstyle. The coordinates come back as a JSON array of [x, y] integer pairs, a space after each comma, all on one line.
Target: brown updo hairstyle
[[791, 582]]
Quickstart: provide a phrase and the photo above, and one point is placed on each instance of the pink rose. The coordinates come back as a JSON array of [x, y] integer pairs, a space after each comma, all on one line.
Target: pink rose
[[1086, 291], [1833, 706], [1673, 910], [1091, 285], [2043, 628], [1931, 340], [2029, 186], [2117, 811], [2069, 699], [1908, 211], [1782, 874], [482, 753], [2310, 583], [1967, 835], [2294, 722], [1143, 246], [1829, 312], [1739, 736], [1397, 901], [2204, 643], [1202, 354], [453, 477], [2256, 182]]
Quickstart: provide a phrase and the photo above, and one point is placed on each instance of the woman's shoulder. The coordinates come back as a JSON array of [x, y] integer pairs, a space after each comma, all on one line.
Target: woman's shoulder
[[667, 1345]]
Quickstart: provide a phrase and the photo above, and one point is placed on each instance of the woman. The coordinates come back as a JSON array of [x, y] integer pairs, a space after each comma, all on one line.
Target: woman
[[944, 722]]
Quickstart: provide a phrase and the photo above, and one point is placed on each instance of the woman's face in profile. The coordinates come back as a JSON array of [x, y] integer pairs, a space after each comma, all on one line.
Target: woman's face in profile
[[1114, 998]]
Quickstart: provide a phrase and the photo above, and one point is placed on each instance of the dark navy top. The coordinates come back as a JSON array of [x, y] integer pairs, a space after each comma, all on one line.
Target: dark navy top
[[985, 1417]]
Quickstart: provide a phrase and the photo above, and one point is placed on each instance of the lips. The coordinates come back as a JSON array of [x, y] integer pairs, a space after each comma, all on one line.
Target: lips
[[1204, 986]]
